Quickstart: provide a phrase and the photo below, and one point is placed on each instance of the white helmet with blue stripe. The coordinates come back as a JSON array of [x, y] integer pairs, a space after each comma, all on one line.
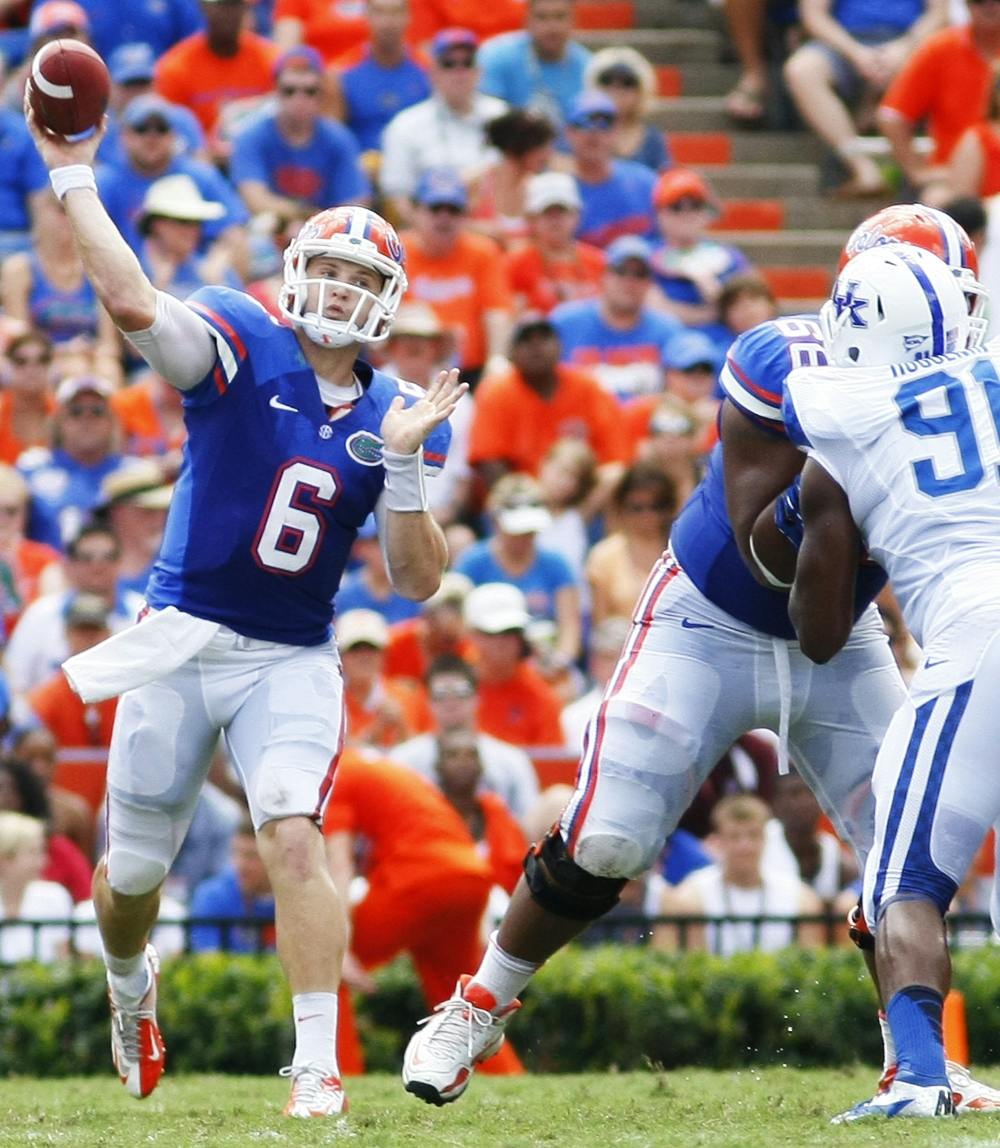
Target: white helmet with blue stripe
[[895, 304]]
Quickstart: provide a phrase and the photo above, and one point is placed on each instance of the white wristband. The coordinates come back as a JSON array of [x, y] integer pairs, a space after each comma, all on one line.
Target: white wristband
[[771, 579], [404, 481], [72, 176]]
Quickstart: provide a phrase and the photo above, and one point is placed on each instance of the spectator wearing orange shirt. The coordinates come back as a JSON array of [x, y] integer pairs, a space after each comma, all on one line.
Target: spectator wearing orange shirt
[[415, 643], [83, 732], [947, 83], [27, 568], [553, 267], [27, 401], [458, 273], [332, 27], [974, 168], [516, 704], [522, 410], [381, 711], [217, 66], [427, 885], [151, 414]]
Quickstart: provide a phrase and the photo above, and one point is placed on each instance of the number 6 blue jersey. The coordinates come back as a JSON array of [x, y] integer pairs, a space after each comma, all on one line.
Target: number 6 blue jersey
[[271, 492]]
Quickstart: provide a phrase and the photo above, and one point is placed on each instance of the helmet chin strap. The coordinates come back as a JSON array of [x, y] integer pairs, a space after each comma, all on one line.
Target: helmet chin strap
[[323, 338]]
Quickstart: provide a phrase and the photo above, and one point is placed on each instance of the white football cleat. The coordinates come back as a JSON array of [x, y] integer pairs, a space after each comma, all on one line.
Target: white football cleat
[[970, 1095], [463, 1031], [315, 1092], [137, 1047], [902, 1099]]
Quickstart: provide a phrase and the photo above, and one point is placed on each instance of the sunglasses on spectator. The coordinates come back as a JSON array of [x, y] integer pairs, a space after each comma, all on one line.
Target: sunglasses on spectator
[[89, 559], [441, 693], [619, 78], [11, 510], [686, 203], [289, 90], [645, 507], [598, 122], [157, 127], [633, 271], [94, 410], [31, 360], [453, 63]]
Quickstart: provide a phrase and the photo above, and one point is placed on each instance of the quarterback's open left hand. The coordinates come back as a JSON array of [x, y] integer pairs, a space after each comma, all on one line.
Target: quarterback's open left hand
[[405, 428]]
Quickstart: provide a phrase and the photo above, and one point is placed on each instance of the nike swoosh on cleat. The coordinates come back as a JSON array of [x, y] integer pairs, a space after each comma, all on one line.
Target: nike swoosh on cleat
[[687, 624], [278, 405]]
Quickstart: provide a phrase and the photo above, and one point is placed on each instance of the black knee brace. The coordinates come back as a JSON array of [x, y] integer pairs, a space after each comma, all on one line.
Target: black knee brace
[[559, 885]]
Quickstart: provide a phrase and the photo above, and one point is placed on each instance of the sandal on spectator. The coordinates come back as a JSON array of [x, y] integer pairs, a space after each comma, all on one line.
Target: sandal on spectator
[[745, 103]]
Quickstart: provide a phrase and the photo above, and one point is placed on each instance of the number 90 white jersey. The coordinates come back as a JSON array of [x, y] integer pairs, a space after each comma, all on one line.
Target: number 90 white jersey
[[916, 448]]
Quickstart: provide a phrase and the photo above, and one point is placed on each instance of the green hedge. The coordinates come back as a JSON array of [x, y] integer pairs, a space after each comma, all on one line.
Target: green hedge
[[588, 1009]]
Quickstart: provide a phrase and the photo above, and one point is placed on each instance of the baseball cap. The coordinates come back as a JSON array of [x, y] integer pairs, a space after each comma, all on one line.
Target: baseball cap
[[449, 38], [178, 197], [441, 186], [551, 189], [362, 628], [68, 389], [681, 183], [592, 109], [132, 63], [496, 607], [627, 247], [89, 610], [148, 106], [57, 16], [418, 319], [530, 323], [139, 483], [516, 505], [690, 349], [301, 58], [453, 591]]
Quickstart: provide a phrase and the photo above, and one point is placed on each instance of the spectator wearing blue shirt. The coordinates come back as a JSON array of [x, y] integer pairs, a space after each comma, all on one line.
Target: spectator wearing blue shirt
[[291, 161], [385, 79], [368, 587], [541, 66], [617, 194], [628, 78], [23, 183], [152, 22], [241, 891]]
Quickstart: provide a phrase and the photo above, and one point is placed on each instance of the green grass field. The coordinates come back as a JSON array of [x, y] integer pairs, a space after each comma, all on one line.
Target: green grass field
[[772, 1108]]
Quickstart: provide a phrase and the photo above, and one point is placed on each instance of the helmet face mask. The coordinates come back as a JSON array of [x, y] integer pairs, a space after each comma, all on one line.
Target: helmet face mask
[[895, 304], [352, 235]]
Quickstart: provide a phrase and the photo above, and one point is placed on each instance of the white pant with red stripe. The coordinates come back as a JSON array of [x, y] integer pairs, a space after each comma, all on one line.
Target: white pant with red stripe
[[691, 679], [280, 710]]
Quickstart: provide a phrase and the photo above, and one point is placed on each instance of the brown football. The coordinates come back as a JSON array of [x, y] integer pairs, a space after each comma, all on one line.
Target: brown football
[[68, 87]]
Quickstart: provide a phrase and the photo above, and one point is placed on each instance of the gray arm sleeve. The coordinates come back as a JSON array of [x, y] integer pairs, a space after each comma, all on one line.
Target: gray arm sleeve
[[180, 345]]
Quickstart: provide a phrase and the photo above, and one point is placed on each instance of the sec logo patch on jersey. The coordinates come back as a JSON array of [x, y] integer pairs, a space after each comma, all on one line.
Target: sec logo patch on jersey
[[365, 447]]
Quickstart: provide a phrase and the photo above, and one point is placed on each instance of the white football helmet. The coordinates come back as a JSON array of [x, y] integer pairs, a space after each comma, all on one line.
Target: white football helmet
[[357, 235], [894, 304]]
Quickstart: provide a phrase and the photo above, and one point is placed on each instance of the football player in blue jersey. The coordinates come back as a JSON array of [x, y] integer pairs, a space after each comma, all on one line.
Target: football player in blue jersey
[[711, 655], [292, 443]]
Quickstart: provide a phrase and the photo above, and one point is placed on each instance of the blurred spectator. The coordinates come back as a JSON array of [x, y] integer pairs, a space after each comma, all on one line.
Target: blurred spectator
[[618, 337], [69, 815], [458, 273], [516, 704], [332, 27], [25, 896], [643, 505], [223, 63], [292, 161], [38, 645], [367, 587], [381, 711], [552, 266], [690, 268], [379, 78], [744, 301], [759, 30], [568, 480], [617, 194], [208, 842], [149, 144], [512, 555], [541, 66], [523, 138], [691, 364], [821, 861], [738, 886], [47, 288], [854, 51], [666, 433], [134, 501], [750, 765], [453, 696], [945, 84], [974, 167], [151, 414], [522, 410], [431, 16], [118, 23], [171, 224], [27, 399], [82, 731], [439, 631], [241, 891], [23, 182], [418, 349], [606, 641], [27, 568], [50, 20], [426, 886], [65, 479], [447, 130], [14, 30], [629, 79]]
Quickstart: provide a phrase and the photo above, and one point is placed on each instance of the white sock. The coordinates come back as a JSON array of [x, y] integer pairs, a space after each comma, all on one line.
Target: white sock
[[502, 975], [888, 1044], [316, 1030], [128, 977]]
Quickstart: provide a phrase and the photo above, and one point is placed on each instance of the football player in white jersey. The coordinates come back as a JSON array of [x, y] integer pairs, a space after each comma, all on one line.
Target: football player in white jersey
[[904, 464], [292, 443]]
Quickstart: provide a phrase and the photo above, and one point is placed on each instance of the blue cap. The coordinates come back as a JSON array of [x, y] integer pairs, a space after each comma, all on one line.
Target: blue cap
[[130, 63], [627, 247], [440, 186], [449, 38], [146, 107], [302, 58], [592, 109], [691, 349]]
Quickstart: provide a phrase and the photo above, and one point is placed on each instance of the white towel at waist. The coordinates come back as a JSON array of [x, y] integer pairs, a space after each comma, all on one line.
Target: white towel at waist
[[151, 649]]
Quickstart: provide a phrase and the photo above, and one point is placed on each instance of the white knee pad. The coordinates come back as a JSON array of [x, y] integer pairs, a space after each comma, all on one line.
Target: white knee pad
[[605, 855], [133, 874]]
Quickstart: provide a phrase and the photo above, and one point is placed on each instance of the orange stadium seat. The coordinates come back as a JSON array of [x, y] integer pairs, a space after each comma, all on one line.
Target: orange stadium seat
[[604, 15], [750, 215], [798, 282], [669, 82], [700, 147]]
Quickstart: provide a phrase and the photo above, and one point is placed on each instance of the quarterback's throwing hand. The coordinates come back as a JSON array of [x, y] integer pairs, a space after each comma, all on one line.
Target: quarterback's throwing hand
[[405, 428]]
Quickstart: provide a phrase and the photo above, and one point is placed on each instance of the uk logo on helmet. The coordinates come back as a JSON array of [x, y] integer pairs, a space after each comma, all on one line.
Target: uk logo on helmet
[[848, 301]]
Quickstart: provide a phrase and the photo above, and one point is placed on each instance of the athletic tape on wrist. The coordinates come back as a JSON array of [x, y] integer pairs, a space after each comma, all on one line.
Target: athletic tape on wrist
[[404, 481], [771, 579], [74, 175]]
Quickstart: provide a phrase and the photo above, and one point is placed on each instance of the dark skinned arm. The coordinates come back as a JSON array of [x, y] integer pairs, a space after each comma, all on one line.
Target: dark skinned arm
[[821, 606]]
